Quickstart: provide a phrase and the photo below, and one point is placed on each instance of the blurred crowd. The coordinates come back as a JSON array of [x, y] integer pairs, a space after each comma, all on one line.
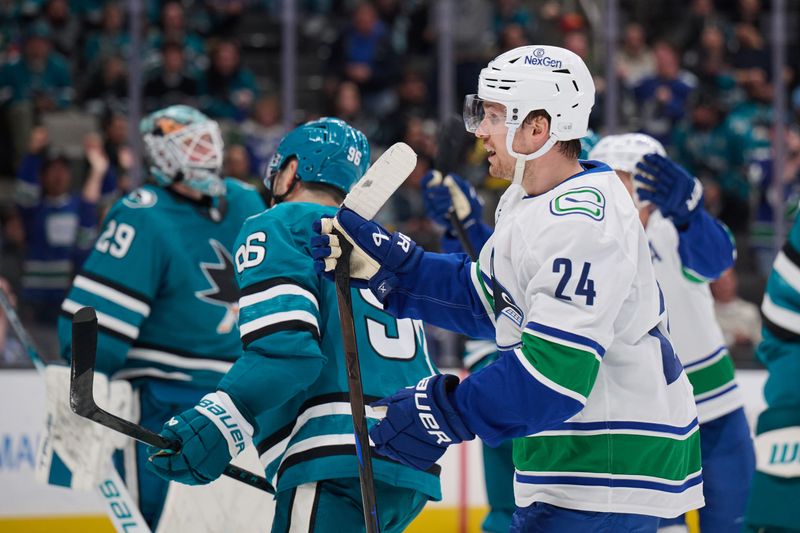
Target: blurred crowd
[[695, 74]]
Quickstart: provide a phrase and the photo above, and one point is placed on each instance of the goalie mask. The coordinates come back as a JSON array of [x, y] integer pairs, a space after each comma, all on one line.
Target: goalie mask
[[327, 150], [183, 145], [531, 78]]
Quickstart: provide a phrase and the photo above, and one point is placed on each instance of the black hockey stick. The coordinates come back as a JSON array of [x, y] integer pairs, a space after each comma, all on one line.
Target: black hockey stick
[[449, 145], [81, 397], [363, 452]]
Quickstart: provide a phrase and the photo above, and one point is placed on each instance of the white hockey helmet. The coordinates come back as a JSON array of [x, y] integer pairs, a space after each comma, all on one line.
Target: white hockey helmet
[[535, 77], [622, 152]]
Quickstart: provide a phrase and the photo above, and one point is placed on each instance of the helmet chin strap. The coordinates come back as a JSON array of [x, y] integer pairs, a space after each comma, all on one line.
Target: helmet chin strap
[[519, 167]]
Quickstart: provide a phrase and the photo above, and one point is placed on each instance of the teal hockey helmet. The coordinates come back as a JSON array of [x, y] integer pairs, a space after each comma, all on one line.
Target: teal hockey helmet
[[183, 145], [327, 150]]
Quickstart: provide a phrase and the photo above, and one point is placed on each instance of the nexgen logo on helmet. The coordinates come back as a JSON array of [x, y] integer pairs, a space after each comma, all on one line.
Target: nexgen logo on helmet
[[538, 58], [527, 79]]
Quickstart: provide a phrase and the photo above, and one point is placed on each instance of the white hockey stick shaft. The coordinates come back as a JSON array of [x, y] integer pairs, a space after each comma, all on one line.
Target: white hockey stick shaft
[[117, 501], [381, 180]]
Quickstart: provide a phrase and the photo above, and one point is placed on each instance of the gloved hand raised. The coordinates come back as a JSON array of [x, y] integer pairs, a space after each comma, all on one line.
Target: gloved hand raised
[[378, 255], [210, 435], [420, 422], [441, 193], [676, 193]]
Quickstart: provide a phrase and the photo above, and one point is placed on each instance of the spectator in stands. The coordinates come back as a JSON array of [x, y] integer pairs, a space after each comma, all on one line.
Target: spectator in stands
[[65, 27], [364, 56], [739, 319], [703, 144], [173, 29], [171, 83], [230, 89], [761, 176], [752, 52], [513, 36], [38, 82], [511, 12], [347, 106], [713, 68], [263, 132], [111, 40], [107, 88], [118, 152], [635, 61], [60, 226], [412, 101], [236, 164], [661, 98]]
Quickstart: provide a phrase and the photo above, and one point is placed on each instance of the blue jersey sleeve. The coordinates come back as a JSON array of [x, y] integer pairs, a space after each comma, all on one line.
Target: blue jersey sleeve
[[706, 247], [448, 291]]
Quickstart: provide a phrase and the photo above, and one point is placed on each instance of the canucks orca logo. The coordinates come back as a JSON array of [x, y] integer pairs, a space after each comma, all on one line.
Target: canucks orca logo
[[586, 201], [224, 291]]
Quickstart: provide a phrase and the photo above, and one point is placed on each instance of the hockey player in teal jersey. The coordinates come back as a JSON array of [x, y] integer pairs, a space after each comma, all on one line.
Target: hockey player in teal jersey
[[775, 490], [288, 392], [161, 278]]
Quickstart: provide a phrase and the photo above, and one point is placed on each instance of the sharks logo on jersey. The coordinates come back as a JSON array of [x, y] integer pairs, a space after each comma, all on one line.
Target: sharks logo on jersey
[[223, 290]]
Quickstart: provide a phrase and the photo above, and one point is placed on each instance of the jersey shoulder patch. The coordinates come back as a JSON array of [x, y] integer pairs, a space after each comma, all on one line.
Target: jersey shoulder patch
[[583, 201], [141, 198]]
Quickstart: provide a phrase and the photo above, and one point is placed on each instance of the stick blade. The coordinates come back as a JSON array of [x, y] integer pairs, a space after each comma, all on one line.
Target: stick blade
[[381, 180], [84, 352]]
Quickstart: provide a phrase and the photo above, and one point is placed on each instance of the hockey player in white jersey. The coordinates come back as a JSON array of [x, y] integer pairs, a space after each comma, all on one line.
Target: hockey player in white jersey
[[689, 248], [601, 412]]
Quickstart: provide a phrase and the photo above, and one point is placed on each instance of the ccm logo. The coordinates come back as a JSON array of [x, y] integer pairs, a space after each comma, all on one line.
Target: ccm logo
[[426, 417]]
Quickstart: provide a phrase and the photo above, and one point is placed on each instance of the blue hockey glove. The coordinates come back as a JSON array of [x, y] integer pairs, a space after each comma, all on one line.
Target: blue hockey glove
[[676, 193], [378, 255], [205, 449], [420, 423], [440, 194]]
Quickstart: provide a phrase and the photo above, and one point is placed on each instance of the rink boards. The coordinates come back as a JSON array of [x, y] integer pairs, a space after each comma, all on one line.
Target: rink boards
[[26, 506]]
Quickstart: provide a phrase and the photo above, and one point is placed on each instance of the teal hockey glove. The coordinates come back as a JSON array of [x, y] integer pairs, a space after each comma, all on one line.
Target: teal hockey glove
[[378, 255], [676, 193], [211, 434]]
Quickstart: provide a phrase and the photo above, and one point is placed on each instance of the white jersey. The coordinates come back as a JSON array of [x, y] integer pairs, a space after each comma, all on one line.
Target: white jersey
[[569, 276], [693, 328]]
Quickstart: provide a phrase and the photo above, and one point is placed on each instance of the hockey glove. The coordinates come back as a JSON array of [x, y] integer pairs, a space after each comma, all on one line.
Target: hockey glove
[[420, 423], [378, 255], [676, 193], [443, 193], [210, 435]]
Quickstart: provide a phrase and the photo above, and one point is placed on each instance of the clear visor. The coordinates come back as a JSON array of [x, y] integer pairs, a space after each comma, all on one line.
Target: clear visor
[[482, 117], [197, 146]]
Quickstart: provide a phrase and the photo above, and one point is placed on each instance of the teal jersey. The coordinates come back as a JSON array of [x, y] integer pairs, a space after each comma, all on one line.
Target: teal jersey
[[291, 382], [780, 348], [161, 279]]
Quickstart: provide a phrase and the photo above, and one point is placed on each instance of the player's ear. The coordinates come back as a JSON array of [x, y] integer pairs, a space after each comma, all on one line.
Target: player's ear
[[285, 177]]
